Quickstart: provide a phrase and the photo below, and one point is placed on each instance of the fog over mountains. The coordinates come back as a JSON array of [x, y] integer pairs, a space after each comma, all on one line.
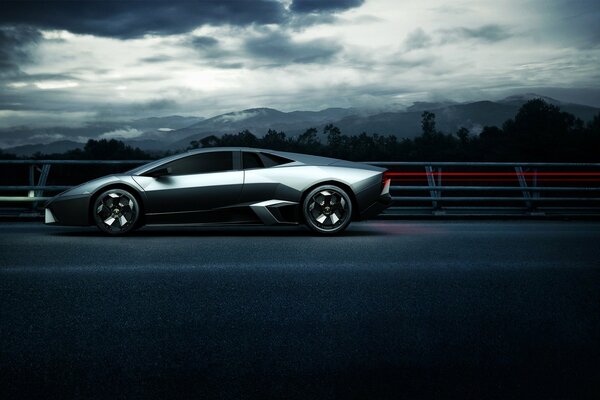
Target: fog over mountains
[[176, 132]]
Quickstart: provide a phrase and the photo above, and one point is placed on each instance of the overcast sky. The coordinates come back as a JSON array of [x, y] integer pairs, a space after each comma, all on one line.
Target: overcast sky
[[67, 62]]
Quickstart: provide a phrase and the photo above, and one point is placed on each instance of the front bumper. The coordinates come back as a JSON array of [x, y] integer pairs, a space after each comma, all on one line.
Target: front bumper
[[68, 210], [49, 218]]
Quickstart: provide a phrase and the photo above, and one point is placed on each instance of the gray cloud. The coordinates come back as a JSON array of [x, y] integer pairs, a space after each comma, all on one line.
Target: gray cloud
[[417, 39], [130, 19], [46, 77], [405, 63], [156, 105], [211, 52], [228, 65], [572, 22], [301, 21], [279, 48], [309, 6], [204, 42], [486, 33], [157, 59]]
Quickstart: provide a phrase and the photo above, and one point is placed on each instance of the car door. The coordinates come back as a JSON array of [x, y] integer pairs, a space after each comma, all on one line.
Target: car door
[[192, 186], [259, 182], [266, 188]]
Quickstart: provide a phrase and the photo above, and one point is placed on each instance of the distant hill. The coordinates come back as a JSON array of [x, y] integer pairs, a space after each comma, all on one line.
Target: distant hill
[[450, 117], [586, 113], [428, 106], [176, 132], [259, 121], [60, 146], [520, 99], [150, 134], [170, 122]]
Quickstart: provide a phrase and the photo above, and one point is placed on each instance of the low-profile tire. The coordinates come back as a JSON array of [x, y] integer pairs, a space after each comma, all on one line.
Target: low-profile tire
[[327, 209], [116, 212]]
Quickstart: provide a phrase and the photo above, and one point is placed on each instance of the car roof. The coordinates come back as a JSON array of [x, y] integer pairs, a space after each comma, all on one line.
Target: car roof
[[303, 158]]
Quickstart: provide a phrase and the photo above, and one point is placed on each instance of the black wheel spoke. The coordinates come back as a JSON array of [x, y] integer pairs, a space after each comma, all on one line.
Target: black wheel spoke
[[116, 211], [327, 209]]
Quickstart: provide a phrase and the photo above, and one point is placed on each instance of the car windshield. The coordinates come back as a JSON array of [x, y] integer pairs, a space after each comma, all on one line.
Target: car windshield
[[152, 164]]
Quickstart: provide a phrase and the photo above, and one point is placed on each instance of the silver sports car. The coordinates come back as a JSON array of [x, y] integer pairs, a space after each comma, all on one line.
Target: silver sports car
[[228, 186]]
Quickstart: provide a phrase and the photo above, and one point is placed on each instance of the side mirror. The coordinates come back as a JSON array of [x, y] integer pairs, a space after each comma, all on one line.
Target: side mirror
[[157, 173]]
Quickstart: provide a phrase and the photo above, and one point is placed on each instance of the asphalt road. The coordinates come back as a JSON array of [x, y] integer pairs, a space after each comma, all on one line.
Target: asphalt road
[[413, 309]]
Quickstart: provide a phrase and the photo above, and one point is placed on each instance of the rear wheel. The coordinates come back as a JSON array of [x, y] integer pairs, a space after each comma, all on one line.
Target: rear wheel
[[116, 212], [327, 209]]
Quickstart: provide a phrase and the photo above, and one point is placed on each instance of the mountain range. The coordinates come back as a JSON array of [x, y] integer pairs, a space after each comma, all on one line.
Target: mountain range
[[176, 132]]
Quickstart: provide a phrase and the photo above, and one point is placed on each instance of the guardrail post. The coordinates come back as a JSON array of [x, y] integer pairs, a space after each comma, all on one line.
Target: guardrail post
[[523, 184], [31, 179], [44, 172], [526, 193], [435, 194]]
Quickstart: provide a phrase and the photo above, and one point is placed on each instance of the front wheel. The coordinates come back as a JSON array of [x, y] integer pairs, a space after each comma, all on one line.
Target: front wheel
[[327, 209], [116, 212]]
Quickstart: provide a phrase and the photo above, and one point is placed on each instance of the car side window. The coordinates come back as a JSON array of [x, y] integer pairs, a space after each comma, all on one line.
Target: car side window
[[203, 163], [271, 160], [251, 160]]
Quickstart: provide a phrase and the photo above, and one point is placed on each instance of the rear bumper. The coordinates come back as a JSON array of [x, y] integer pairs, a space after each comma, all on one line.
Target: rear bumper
[[383, 201]]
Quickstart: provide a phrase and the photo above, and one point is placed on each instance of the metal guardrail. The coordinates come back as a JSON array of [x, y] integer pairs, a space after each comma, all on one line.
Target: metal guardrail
[[422, 188], [42, 167], [519, 189]]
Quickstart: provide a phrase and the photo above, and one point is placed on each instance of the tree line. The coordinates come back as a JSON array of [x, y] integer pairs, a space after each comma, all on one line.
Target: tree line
[[102, 149], [539, 132]]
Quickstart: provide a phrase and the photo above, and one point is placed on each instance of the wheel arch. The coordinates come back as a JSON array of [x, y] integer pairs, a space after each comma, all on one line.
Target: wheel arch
[[346, 187], [119, 185]]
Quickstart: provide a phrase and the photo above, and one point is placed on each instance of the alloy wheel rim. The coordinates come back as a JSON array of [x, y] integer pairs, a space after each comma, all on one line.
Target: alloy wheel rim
[[328, 209], [116, 211]]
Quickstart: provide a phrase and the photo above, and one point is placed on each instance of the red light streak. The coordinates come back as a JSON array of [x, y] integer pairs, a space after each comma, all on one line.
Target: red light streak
[[492, 174], [545, 176]]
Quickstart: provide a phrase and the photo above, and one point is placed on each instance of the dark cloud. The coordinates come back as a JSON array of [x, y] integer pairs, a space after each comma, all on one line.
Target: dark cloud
[[405, 64], [130, 19], [15, 43], [154, 105], [571, 23], [279, 48], [32, 99], [157, 59], [301, 21], [203, 42], [209, 50], [417, 39], [228, 65], [310, 6], [140, 109], [487, 33]]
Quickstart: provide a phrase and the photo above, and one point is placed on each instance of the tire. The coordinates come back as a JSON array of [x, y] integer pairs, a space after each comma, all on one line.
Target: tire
[[116, 212], [327, 210]]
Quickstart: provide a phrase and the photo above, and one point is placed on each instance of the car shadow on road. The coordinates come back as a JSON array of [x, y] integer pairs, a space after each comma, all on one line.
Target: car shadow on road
[[215, 232]]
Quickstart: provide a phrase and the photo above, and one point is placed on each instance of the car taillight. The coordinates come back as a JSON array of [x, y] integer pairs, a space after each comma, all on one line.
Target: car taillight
[[385, 182]]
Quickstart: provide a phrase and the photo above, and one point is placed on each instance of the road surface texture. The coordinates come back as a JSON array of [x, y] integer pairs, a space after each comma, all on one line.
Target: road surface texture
[[391, 309]]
